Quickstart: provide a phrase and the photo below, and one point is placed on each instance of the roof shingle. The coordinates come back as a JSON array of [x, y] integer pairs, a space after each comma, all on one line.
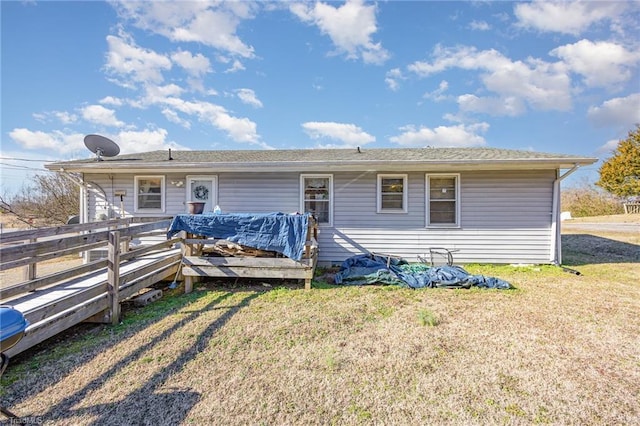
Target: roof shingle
[[332, 156]]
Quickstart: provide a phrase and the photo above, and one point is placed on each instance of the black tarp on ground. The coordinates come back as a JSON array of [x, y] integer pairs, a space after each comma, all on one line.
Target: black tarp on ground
[[369, 269]]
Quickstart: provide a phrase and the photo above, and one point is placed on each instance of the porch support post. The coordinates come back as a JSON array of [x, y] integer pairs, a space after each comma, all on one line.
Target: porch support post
[[113, 276]]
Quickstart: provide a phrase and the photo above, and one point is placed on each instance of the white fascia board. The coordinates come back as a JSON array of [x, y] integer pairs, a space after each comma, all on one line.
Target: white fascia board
[[292, 166]]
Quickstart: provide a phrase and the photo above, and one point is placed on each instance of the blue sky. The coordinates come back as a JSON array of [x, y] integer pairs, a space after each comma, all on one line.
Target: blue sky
[[551, 77]]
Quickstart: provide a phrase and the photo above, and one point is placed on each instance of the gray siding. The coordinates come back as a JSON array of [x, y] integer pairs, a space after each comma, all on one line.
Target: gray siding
[[505, 215], [259, 193]]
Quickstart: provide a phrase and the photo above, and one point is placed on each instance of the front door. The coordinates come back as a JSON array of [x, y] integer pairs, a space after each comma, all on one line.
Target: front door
[[202, 189]]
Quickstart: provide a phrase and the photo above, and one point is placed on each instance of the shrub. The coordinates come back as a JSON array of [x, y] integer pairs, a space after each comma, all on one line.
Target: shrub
[[590, 201]]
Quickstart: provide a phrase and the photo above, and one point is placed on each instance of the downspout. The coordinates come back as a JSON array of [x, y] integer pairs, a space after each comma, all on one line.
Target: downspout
[[556, 244], [78, 179], [84, 202]]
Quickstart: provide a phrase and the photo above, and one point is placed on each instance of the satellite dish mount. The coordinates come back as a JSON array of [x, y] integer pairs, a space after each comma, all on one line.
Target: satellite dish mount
[[101, 146]]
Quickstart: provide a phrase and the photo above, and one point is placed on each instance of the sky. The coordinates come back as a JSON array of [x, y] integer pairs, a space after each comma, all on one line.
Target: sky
[[560, 77]]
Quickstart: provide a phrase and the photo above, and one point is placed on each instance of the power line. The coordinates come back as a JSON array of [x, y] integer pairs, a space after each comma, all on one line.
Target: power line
[[7, 166], [25, 159]]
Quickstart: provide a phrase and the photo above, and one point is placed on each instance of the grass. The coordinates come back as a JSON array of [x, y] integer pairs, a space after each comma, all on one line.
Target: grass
[[427, 318], [559, 349]]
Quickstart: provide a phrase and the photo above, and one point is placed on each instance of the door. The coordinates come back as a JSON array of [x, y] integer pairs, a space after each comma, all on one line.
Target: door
[[203, 189]]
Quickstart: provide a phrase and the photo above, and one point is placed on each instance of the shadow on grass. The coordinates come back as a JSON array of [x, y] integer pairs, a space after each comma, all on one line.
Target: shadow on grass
[[583, 249], [147, 405], [89, 339]]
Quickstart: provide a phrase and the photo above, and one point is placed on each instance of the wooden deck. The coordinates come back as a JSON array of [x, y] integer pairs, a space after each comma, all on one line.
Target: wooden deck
[[94, 291], [196, 265], [250, 267]]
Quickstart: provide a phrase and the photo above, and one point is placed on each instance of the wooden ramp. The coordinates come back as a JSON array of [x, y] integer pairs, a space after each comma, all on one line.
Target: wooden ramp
[[54, 303], [55, 309]]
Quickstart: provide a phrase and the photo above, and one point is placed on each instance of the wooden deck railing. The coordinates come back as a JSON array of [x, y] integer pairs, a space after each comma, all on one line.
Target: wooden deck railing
[[102, 300]]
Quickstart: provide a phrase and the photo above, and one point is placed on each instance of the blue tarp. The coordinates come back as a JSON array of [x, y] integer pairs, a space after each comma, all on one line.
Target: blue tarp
[[279, 232], [370, 269]]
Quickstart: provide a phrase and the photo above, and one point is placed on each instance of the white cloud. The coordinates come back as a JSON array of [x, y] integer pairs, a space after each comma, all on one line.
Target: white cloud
[[238, 129], [65, 117], [59, 142], [235, 67], [567, 17], [349, 134], [607, 149], [211, 23], [603, 64], [540, 84], [72, 144], [438, 94], [110, 100], [195, 65], [442, 136], [465, 57], [144, 140], [249, 97], [508, 105], [97, 114], [392, 78], [350, 27], [157, 94], [125, 59], [479, 25], [173, 117], [617, 112]]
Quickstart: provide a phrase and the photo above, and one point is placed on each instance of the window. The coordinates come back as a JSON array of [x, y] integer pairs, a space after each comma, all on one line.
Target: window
[[149, 193], [317, 197], [443, 200], [392, 193]]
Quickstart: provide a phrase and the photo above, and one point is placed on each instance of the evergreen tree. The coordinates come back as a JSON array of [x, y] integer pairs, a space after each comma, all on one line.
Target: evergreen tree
[[620, 174]]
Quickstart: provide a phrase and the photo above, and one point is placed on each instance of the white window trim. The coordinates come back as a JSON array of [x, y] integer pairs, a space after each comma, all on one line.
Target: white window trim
[[428, 201], [214, 186], [405, 191], [163, 194], [331, 194]]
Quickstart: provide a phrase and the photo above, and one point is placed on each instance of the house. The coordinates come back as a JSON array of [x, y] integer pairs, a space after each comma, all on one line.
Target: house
[[484, 205]]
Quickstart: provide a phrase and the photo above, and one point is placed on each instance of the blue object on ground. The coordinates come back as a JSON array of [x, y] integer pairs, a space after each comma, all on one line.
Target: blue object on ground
[[370, 269], [12, 326], [280, 232]]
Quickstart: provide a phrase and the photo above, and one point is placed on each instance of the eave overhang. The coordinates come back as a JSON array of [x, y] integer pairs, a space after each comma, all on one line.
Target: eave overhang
[[172, 166]]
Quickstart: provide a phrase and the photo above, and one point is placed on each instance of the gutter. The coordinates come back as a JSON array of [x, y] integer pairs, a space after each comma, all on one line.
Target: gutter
[[311, 166], [556, 243]]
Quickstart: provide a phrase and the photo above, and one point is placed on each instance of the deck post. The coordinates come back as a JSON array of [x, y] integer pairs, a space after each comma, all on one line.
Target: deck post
[[30, 270], [113, 276], [187, 250]]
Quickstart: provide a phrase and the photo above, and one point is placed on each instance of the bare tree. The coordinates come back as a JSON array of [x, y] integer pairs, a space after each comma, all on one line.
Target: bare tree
[[49, 198]]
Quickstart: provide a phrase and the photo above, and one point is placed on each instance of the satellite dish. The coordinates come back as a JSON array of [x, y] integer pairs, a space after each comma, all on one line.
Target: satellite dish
[[101, 146]]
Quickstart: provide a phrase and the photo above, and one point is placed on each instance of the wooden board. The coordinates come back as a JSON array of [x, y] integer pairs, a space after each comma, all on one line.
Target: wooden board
[[247, 262], [52, 310]]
